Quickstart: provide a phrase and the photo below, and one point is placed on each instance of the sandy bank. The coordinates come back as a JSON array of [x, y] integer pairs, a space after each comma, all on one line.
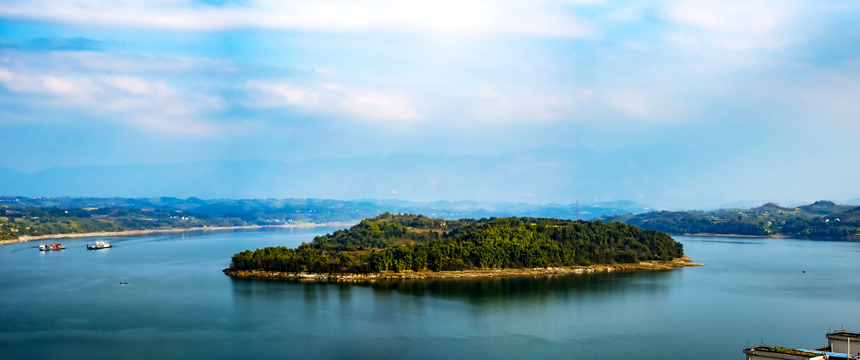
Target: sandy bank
[[154, 231], [643, 266]]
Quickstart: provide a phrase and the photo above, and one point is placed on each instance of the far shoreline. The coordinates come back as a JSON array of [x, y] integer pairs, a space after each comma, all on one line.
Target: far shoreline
[[27, 238], [773, 236], [684, 261]]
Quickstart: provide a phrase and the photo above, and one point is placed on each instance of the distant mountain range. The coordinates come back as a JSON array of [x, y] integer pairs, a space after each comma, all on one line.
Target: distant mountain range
[[52, 215], [819, 220], [261, 211], [542, 176], [36, 216]]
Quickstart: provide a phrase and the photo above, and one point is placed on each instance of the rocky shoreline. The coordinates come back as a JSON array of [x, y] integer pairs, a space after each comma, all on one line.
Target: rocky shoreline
[[482, 273]]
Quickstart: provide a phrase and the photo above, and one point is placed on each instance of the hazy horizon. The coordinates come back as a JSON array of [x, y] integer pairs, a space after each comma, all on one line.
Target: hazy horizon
[[675, 104]]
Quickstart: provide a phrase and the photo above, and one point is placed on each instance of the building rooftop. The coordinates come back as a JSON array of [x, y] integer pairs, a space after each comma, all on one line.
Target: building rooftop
[[778, 352], [830, 355], [784, 353], [843, 333]]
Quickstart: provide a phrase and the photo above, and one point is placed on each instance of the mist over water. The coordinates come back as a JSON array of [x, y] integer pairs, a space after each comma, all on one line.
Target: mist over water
[[178, 304]]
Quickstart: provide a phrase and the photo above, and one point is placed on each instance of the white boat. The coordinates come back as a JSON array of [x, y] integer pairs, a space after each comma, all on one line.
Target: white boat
[[100, 244]]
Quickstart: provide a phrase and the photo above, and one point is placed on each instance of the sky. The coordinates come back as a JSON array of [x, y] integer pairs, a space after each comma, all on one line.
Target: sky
[[679, 104]]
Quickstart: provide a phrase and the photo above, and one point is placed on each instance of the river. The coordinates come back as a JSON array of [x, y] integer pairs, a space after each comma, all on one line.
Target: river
[[178, 304]]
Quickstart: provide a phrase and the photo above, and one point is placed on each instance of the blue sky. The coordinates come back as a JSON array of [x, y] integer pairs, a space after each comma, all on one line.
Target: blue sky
[[685, 103]]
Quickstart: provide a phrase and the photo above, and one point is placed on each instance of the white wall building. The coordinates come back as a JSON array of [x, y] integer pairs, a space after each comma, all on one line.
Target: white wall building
[[845, 342]]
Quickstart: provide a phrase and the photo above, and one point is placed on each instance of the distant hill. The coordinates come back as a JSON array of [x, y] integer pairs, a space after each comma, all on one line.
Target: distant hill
[[337, 210], [824, 207], [850, 216], [770, 207], [820, 220], [59, 215]]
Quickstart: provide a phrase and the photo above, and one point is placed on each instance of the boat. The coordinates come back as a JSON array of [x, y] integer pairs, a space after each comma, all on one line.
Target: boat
[[100, 244], [51, 247]]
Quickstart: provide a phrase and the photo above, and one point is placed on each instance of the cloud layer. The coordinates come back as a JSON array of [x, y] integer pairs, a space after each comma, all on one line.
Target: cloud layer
[[112, 83], [437, 17]]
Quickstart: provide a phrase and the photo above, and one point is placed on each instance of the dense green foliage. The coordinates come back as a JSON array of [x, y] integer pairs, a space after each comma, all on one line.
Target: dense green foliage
[[414, 242], [821, 220]]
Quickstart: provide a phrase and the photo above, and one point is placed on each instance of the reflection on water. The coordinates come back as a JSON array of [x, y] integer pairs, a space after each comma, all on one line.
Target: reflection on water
[[475, 290], [538, 288]]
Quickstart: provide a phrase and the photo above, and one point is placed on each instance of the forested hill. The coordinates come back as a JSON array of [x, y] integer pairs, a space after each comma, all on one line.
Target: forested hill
[[418, 243], [820, 220]]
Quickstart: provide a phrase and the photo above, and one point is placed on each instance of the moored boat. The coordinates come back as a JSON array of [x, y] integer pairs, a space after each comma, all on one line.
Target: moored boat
[[100, 244], [51, 247]]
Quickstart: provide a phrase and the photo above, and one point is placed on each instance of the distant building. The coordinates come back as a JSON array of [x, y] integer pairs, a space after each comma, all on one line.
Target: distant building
[[840, 345], [844, 342]]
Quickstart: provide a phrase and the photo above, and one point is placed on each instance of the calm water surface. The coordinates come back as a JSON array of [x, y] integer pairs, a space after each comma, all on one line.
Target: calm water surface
[[178, 304]]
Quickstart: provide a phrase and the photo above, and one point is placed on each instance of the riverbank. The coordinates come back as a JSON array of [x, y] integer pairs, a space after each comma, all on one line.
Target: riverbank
[[772, 236], [26, 238], [465, 274]]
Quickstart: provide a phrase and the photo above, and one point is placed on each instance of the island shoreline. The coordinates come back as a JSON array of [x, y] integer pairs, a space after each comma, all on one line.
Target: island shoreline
[[27, 238], [684, 261]]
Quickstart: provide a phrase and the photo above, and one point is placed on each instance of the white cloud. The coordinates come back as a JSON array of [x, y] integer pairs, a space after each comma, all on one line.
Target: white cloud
[[630, 102], [684, 41], [641, 104], [492, 104], [5, 76], [46, 84], [284, 94], [750, 17], [112, 63], [172, 125], [130, 84], [736, 25], [826, 101], [131, 100], [367, 104], [543, 18]]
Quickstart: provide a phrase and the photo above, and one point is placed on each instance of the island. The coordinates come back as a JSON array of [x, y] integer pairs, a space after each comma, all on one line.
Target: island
[[415, 246]]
